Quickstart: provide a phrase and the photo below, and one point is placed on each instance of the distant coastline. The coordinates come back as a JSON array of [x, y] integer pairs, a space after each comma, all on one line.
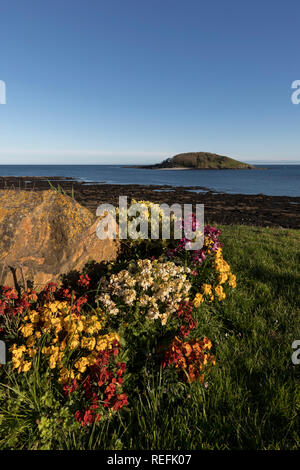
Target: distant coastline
[[220, 207], [279, 180], [155, 167]]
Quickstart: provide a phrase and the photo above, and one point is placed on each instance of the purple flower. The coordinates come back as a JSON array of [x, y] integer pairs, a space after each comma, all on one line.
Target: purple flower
[[211, 233]]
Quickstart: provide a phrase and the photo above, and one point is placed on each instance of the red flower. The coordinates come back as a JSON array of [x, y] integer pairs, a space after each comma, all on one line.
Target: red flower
[[120, 402], [70, 388], [84, 280], [190, 356]]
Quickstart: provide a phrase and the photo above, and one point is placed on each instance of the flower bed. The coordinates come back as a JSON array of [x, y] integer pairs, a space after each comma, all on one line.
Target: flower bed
[[95, 339]]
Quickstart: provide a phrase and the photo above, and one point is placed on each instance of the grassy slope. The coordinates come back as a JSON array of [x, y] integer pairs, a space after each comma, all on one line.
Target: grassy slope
[[253, 396]]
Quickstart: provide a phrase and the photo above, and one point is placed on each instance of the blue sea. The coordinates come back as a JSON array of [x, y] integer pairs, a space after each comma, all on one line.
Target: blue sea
[[274, 180]]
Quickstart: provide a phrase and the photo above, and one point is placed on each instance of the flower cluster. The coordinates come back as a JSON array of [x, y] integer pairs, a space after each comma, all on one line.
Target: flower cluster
[[188, 323], [74, 331], [191, 357], [84, 280], [210, 246], [102, 385], [157, 288], [223, 269], [198, 300], [152, 218], [215, 290], [11, 304], [62, 332], [76, 346]]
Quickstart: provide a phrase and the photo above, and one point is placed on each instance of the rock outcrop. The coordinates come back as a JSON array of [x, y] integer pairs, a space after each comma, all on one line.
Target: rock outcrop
[[45, 234], [209, 161], [199, 161]]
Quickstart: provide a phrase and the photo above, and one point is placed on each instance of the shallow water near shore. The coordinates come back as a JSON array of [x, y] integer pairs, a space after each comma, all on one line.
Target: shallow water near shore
[[274, 180]]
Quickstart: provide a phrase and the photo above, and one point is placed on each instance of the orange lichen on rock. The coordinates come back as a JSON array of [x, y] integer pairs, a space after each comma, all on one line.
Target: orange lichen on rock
[[45, 234]]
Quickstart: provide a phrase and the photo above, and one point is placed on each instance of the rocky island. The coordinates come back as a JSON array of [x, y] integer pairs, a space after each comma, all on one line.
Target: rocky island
[[198, 161]]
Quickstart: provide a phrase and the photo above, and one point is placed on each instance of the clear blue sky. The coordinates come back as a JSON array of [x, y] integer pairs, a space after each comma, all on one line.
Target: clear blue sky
[[117, 81]]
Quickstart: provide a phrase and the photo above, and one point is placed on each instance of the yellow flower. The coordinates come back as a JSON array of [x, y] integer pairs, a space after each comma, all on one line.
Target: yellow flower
[[26, 366], [63, 345], [65, 375], [16, 363], [80, 326], [74, 342], [222, 278], [52, 362], [206, 289], [17, 352], [31, 352], [232, 280], [187, 348], [220, 293], [53, 307], [105, 341], [206, 343], [81, 364], [88, 343], [26, 330], [213, 360], [93, 325], [198, 300], [30, 342], [92, 358], [46, 350], [34, 317]]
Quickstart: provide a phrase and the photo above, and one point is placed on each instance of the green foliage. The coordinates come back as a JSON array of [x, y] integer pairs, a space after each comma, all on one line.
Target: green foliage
[[61, 190]]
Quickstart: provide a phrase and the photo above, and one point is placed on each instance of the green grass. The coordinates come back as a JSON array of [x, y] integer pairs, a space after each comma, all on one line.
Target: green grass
[[252, 400], [253, 396]]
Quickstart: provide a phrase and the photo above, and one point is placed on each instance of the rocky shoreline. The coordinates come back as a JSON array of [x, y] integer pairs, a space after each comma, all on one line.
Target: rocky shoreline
[[222, 208]]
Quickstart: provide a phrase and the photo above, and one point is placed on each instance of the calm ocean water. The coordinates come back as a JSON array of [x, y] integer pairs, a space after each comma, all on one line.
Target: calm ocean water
[[276, 180]]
